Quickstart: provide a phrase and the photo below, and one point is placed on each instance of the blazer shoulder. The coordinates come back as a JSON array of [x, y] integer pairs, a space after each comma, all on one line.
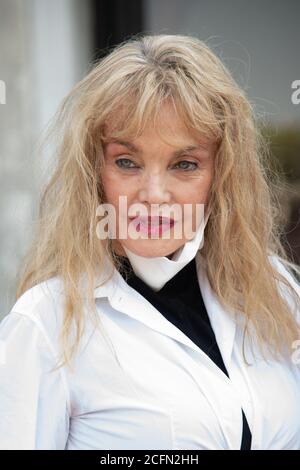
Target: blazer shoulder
[[43, 304]]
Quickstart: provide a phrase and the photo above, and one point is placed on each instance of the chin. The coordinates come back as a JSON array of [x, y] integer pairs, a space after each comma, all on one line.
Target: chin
[[154, 248]]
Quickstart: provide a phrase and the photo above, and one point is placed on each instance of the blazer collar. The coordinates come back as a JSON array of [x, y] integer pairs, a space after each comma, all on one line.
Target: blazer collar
[[127, 300]]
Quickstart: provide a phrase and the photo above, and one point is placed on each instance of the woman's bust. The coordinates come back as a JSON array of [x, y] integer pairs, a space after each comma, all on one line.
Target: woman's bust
[[159, 159]]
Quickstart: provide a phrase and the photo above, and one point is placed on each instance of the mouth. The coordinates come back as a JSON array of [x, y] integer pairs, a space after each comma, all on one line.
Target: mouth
[[153, 220], [152, 224]]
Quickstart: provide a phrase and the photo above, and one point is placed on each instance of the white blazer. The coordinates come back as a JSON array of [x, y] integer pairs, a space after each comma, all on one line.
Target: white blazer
[[153, 389]]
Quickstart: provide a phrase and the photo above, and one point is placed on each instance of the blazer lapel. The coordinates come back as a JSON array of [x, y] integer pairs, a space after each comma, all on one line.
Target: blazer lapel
[[223, 322]]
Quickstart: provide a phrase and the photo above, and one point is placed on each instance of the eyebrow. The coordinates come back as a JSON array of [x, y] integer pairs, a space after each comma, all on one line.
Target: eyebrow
[[134, 148]]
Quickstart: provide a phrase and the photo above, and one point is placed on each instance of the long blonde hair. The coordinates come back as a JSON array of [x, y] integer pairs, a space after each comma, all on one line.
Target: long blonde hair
[[126, 89]]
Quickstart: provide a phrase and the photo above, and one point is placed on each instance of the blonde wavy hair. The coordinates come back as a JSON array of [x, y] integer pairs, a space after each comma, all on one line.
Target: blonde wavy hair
[[126, 89]]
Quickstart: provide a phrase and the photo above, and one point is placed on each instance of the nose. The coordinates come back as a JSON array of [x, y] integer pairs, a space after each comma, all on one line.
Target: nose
[[153, 189]]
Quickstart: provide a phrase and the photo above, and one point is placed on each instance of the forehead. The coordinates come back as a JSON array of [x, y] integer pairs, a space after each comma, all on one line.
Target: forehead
[[168, 121], [167, 129], [167, 126], [138, 146]]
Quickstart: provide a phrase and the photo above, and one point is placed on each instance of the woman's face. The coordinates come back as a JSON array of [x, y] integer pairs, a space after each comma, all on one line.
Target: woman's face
[[158, 175]]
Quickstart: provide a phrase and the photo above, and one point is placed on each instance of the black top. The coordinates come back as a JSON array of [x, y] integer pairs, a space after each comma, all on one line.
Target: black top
[[181, 302]]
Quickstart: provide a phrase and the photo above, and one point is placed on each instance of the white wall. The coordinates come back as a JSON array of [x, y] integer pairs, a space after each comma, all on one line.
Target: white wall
[[45, 48]]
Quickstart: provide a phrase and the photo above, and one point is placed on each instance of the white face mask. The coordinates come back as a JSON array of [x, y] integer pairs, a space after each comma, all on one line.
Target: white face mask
[[157, 271]]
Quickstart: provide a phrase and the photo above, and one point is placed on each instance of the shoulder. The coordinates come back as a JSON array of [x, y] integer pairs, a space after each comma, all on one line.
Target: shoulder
[[45, 293], [40, 310]]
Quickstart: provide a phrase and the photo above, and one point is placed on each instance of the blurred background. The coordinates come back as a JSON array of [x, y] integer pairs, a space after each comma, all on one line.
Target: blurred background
[[46, 46]]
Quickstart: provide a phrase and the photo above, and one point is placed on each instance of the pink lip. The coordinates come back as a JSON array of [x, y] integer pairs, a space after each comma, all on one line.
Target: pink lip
[[154, 225], [153, 219]]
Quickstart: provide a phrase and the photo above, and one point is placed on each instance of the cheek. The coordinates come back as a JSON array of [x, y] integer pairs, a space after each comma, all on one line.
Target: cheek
[[196, 190], [114, 186]]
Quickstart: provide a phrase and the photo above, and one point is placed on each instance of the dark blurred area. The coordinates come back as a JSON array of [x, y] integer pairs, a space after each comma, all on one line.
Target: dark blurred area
[[284, 145], [114, 21]]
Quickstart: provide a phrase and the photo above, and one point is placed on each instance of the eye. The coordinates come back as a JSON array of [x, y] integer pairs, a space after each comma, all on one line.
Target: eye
[[185, 167], [124, 163]]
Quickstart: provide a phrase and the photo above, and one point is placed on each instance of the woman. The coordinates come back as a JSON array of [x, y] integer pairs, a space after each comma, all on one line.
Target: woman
[[166, 342]]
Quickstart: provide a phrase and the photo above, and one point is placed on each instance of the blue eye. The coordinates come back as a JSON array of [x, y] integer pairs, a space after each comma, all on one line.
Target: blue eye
[[124, 163], [189, 163], [120, 165]]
